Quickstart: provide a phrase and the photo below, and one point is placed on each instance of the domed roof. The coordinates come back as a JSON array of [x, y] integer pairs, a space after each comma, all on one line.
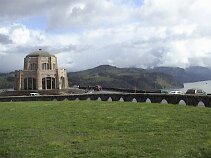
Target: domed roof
[[40, 52]]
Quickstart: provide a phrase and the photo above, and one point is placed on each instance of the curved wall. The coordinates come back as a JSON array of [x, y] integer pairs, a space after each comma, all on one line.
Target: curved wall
[[192, 100]]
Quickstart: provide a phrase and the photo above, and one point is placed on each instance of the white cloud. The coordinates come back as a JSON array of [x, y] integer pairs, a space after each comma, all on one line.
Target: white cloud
[[92, 14], [19, 34], [90, 32]]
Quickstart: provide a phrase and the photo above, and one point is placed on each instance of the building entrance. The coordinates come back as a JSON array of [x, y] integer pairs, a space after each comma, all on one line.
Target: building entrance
[[29, 83], [48, 83]]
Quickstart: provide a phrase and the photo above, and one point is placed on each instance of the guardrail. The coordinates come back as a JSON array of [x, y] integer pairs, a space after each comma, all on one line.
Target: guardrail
[[193, 100]]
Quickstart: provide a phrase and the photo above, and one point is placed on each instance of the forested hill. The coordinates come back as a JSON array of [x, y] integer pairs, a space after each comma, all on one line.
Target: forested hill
[[6, 80], [190, 74], [131, 78]]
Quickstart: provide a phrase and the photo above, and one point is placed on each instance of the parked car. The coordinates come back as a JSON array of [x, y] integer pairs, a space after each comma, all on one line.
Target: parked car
[[76, 86], [175, 92], [34, 94], [97, 88], [195, 91], [162, 91]]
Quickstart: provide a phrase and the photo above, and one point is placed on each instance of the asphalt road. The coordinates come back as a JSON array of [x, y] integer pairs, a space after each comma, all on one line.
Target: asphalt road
[[103, 92]]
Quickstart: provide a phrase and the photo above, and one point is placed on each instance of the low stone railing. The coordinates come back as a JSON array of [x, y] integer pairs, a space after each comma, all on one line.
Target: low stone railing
[[193, 100]]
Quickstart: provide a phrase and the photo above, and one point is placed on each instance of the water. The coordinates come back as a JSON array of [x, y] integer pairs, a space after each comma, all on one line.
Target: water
[[204, 85]]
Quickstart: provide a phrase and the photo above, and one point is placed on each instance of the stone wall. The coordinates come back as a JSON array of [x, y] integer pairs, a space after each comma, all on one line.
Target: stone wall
[[192, 100]]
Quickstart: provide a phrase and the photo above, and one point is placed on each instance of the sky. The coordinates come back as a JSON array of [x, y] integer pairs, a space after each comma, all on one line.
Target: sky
[[125, 33]]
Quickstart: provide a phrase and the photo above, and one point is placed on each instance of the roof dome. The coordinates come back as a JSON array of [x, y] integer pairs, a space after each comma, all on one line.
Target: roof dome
[[40, 52]]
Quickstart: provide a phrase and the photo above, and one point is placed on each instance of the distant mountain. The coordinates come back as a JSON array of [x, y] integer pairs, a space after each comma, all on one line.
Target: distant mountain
[[202, 71], [131, 78], [191, 74]]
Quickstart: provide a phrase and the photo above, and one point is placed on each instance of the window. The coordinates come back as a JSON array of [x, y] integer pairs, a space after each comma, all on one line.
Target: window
[[199, 91], [48, 83], [25, 83], [45, 66], [29, 83], [48, 67], [32, 66]]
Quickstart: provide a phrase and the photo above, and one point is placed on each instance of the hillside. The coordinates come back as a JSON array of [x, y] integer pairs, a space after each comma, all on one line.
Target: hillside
[[190, 74], [6, 80], [131, 78]]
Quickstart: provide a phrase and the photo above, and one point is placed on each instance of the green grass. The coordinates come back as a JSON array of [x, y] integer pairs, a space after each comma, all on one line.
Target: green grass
[[103, 129]]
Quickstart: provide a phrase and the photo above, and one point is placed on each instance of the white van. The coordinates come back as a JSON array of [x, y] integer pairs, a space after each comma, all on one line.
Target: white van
[[34, 94]]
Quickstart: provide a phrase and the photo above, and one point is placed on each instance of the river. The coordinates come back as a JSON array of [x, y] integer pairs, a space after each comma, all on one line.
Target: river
[[204, 85]]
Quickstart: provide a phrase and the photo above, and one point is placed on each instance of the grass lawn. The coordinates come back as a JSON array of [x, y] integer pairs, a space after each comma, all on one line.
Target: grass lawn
[[103, 129]]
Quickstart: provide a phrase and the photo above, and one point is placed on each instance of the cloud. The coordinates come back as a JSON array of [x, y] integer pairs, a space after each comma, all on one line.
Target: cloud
[[70, 13], [12, 10], [92, 13], [4, 39], [85, 34]]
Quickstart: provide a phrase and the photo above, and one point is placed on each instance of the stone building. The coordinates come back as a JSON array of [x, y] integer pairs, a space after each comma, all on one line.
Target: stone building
[[40, 72]]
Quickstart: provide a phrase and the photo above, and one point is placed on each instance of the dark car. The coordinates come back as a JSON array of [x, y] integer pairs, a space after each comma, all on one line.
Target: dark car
[[162, 91], [97, 88], [195, 91]]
